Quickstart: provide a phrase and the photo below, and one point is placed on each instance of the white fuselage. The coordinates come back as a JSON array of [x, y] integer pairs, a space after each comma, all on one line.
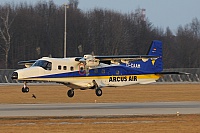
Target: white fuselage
[[68, 70]]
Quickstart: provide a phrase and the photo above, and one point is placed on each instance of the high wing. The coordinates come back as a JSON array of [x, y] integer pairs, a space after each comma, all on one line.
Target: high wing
[[28, 63], [154, 52], [124, 58], [113, 59], [120, 57]]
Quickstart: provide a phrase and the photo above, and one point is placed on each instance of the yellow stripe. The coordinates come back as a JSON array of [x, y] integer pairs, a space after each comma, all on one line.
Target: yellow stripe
[[147, 76]]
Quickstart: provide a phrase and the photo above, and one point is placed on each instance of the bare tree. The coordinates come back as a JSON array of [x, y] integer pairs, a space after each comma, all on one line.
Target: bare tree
[[5, 24], [37, 30], [74, 3], [195, 27]]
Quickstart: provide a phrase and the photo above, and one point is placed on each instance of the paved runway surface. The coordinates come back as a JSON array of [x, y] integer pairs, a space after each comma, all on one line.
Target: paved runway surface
[[99, 109]]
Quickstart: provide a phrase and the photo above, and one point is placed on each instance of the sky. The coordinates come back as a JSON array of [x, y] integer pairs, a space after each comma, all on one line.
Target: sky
[[162, 13]]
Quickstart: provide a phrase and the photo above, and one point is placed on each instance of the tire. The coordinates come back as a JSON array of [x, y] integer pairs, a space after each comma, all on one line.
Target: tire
[[70, 93], [25, 90], [98, 92]]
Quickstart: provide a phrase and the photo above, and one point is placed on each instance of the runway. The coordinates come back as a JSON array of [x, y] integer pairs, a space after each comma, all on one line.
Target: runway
[[99, 109]]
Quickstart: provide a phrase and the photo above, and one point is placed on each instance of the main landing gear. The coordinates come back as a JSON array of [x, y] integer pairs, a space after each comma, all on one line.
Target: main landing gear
[[70, 93], [98, 90], [25, 89]]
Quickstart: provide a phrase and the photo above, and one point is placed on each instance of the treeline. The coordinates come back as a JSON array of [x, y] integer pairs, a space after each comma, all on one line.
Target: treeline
[[33, 31]]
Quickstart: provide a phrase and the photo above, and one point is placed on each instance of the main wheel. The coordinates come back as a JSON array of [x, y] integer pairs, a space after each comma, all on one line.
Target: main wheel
[[98, 92], [70, 93], [25, 90]]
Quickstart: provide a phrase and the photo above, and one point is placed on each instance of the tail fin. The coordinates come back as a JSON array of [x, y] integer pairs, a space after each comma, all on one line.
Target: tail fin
[[151, 65], [156, 50]]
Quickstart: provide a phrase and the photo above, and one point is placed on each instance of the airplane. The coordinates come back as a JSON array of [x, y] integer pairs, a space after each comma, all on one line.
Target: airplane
[[95, 72]]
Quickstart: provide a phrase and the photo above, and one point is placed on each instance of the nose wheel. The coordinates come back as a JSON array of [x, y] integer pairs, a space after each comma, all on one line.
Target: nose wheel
[[25, 89]]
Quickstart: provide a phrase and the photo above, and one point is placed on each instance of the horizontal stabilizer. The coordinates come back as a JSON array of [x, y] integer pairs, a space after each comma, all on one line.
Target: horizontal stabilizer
[[184, 73]]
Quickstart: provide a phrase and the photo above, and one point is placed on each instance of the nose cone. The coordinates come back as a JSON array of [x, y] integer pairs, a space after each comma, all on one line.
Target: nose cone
[[14, 75]]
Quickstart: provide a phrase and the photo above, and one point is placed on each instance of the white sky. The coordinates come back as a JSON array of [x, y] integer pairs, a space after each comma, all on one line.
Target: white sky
[[161, 13]]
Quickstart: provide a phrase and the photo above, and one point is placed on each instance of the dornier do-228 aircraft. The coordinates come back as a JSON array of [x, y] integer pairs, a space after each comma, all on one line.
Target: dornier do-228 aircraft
[[95, 72]]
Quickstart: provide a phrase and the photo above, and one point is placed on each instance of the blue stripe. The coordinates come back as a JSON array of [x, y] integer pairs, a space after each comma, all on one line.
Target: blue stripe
[[106, 71]]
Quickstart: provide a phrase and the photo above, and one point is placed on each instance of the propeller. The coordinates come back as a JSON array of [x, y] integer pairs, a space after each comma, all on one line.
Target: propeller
[[87, 61]]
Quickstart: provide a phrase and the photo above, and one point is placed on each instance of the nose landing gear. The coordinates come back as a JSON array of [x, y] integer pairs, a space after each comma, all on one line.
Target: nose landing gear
[[25, 89]]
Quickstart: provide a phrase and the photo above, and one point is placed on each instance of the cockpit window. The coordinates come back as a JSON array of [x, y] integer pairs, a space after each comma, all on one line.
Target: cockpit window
[[43, 63]]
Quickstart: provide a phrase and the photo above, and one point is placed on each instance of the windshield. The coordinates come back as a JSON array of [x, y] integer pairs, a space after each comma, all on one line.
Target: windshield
[[43, 63]]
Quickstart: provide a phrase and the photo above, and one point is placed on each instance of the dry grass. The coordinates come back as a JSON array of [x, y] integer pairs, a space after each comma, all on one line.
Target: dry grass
[[141, 124], [135, 93]]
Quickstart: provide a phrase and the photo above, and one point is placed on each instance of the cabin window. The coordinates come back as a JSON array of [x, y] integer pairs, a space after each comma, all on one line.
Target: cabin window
[[95, 70], [64, 67], [72, 68], [103, 71], [117, 72], [59, 67]]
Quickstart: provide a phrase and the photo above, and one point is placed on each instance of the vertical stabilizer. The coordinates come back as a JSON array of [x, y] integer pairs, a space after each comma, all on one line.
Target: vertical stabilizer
[[150, 65], [155, 48]]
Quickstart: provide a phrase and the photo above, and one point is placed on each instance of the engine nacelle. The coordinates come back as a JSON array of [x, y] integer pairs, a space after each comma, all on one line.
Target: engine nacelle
[[92, 62], [88, 57]]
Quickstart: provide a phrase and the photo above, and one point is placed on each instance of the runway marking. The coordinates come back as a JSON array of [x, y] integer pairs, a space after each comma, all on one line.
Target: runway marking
[[99, 109], [81, 123], [129, 122]]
